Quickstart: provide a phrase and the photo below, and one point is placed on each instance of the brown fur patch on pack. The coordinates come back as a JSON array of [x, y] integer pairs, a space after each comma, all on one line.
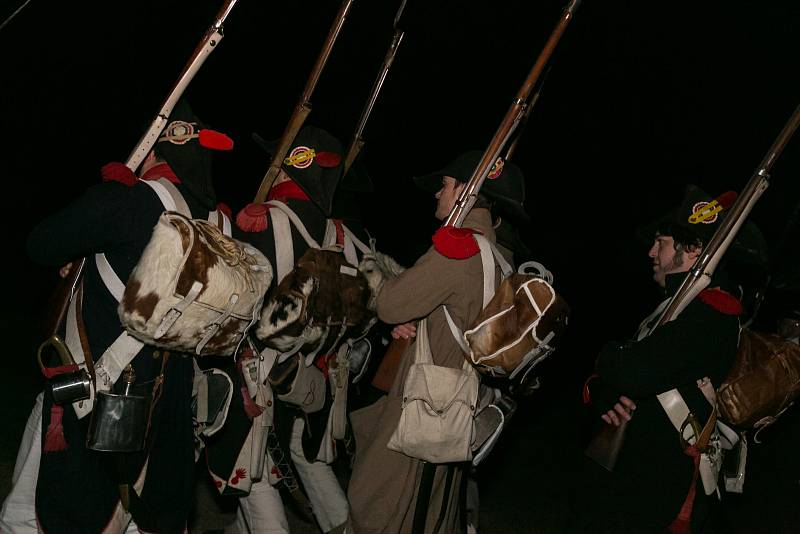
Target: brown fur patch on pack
[[142, 305]]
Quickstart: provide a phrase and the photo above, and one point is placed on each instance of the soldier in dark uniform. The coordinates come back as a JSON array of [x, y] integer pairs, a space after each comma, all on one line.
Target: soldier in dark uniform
[[78, 489], [652, 482], [306, 184]]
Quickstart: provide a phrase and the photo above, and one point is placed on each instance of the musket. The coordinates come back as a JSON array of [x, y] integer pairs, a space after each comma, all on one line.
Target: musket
[[303, 107], [512, 145], [358, 141], [605, 446], [204, 48], [510, 122], [207, 44]]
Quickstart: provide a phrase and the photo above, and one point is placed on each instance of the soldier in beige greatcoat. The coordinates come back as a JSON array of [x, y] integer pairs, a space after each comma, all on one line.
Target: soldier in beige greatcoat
[[384, 484]]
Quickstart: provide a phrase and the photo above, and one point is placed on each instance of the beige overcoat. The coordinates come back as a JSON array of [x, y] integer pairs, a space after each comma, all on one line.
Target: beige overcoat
[[382, 490]]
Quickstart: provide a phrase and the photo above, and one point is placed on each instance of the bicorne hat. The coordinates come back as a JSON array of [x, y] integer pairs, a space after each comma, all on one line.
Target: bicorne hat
[[504, 185], [184, 144], [314, 162], [698, 217]]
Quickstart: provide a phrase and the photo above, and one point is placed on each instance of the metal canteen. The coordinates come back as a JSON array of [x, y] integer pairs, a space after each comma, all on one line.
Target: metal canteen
[[119, 423]]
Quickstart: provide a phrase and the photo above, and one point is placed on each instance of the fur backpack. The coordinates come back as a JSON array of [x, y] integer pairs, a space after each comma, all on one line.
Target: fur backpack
[[324, 298], [321, 302], [194, 288], [516, 329]]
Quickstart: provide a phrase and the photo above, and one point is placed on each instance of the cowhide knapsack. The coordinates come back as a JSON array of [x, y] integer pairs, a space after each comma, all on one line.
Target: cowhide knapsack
[[194, 288]]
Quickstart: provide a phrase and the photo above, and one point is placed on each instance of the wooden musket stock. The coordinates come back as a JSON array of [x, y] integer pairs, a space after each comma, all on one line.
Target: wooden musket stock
[[303, 107], [387, 370], [56, 308], [510, 122], [605, 446]]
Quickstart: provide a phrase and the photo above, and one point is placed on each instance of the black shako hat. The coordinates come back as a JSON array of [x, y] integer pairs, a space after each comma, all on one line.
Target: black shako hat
[[186, 144], [504, 185], [314, 162], [698, 217]]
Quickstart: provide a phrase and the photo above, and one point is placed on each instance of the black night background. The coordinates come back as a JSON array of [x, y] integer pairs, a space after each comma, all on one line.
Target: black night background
[[642, 99]]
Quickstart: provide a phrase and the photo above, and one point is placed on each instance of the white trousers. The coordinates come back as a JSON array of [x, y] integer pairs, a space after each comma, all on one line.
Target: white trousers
[[261, 512], [18, 514]]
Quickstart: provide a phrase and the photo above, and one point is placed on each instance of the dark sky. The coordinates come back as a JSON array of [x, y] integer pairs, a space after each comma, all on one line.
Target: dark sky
[[642, 99]]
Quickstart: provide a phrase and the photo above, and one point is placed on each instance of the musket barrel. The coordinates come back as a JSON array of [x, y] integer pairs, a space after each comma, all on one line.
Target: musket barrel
[[303, 107], [701, 273], [509, 123], [358, 142], [333, 33], [783, 138], [207, 44]]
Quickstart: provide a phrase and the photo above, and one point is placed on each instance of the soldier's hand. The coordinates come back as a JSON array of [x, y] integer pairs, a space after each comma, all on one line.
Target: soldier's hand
[[621, 410], [64, 271], [405, 331]]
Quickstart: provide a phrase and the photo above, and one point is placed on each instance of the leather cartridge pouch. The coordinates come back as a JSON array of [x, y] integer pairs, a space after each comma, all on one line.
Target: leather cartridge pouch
[[298, 384]]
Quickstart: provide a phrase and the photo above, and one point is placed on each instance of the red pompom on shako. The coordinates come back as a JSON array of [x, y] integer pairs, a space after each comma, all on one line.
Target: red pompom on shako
[[328, 160], [456, 243], [214, 140]]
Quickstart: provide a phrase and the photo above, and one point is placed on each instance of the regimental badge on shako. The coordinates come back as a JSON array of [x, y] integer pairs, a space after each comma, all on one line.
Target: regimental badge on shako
[[300, 157], [497, 169], [179, 132], [705, 212]]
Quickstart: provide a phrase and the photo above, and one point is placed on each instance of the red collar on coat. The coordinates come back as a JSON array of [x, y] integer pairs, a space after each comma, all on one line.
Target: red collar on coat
[[161, 170], [722, 301], [287, 190]]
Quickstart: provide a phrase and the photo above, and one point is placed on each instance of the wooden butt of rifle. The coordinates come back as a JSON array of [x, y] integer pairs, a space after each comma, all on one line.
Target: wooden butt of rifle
[[605, 445], [387, 370]]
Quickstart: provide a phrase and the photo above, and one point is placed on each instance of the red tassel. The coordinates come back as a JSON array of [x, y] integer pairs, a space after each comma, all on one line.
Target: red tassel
[[253, 218], [252, 409], [118, 172], [683, 523], [455, 243], [215, 140], [54, 440]]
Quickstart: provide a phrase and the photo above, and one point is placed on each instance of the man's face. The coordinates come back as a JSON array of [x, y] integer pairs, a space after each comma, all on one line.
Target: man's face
[[447, 196], [667, 260]]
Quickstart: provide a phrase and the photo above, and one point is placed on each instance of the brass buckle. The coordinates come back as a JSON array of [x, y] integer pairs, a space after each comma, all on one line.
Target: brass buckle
[[696, 429]]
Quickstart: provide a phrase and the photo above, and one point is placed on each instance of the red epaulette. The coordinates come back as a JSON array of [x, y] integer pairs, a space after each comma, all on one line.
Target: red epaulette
[[456, 243], [253, 218], [722, 301], [118, 172]]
